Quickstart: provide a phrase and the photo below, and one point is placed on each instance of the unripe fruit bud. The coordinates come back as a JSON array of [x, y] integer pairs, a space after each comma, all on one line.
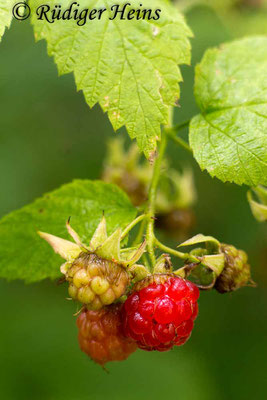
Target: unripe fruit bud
[[101, 336], [96, 282], [236, 272], [98, 274]]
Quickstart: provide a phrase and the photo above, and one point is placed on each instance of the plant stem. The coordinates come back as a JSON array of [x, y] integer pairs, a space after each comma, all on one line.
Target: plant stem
[[171, 131], [132, 224], [140, 233], [179, 254], [153, 193], [181, 142], [179, 127]]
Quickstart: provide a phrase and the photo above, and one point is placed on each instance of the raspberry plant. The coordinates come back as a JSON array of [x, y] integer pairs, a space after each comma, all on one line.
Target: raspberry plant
[[125, 279]]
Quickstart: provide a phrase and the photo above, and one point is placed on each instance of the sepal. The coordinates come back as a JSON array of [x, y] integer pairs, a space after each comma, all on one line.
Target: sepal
[[133, 256], [197, 239], [110, 249], [66, 249], [100, 234], [215, 262], [138, 272]]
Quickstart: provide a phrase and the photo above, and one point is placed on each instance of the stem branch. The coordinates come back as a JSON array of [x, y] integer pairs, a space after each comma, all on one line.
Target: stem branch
[[172, 131], [132, 224], [181, 143], [176, 253]]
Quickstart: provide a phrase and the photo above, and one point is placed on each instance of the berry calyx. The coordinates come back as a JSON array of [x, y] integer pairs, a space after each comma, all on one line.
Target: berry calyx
[[159, 314], [101, 336], [236, 272]]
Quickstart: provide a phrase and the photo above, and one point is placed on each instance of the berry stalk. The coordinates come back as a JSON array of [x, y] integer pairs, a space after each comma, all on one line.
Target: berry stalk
[[176, 253], [150, 236], [152, 197]]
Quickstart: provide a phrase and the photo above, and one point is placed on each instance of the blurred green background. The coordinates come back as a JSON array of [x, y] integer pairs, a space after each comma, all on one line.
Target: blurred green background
[[48, 136]]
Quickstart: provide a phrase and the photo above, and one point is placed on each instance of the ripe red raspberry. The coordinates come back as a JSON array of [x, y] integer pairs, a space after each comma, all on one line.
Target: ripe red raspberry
[[160, 314], [101, 335]]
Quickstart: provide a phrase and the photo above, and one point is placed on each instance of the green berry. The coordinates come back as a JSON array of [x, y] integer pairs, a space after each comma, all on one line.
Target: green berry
[[96, 282]]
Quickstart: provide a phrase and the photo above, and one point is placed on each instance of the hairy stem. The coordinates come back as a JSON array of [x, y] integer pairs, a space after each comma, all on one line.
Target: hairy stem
[[176, 253], [179, 127], [153, 193], [181, 143], [171, 132], [140, 234], [132, 225]]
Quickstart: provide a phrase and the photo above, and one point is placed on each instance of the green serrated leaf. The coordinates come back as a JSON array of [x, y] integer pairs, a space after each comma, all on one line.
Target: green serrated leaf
[[24, 255], [129, 67], [229, 137], [5, 15]]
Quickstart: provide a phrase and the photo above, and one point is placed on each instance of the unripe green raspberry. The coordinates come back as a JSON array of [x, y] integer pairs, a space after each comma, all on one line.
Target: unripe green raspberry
[[236, 272], [96, 282], [98, 274]]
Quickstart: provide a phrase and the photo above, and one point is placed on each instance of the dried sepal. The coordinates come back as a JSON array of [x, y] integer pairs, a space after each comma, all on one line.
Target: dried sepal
[[66, 249], [74, 235]]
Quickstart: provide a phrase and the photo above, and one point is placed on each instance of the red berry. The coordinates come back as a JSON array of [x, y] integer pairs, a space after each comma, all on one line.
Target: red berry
[[160, 315], [101, 335]]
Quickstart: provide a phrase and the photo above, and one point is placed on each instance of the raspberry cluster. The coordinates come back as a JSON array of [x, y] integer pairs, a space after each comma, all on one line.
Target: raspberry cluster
[[161, 315], [158, 315]]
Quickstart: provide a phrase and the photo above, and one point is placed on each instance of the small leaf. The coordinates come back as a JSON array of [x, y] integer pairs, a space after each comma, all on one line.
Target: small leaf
[[24, 255], [229, 137], [200, 239], [129, 67], [5, 15], [259, 210]]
